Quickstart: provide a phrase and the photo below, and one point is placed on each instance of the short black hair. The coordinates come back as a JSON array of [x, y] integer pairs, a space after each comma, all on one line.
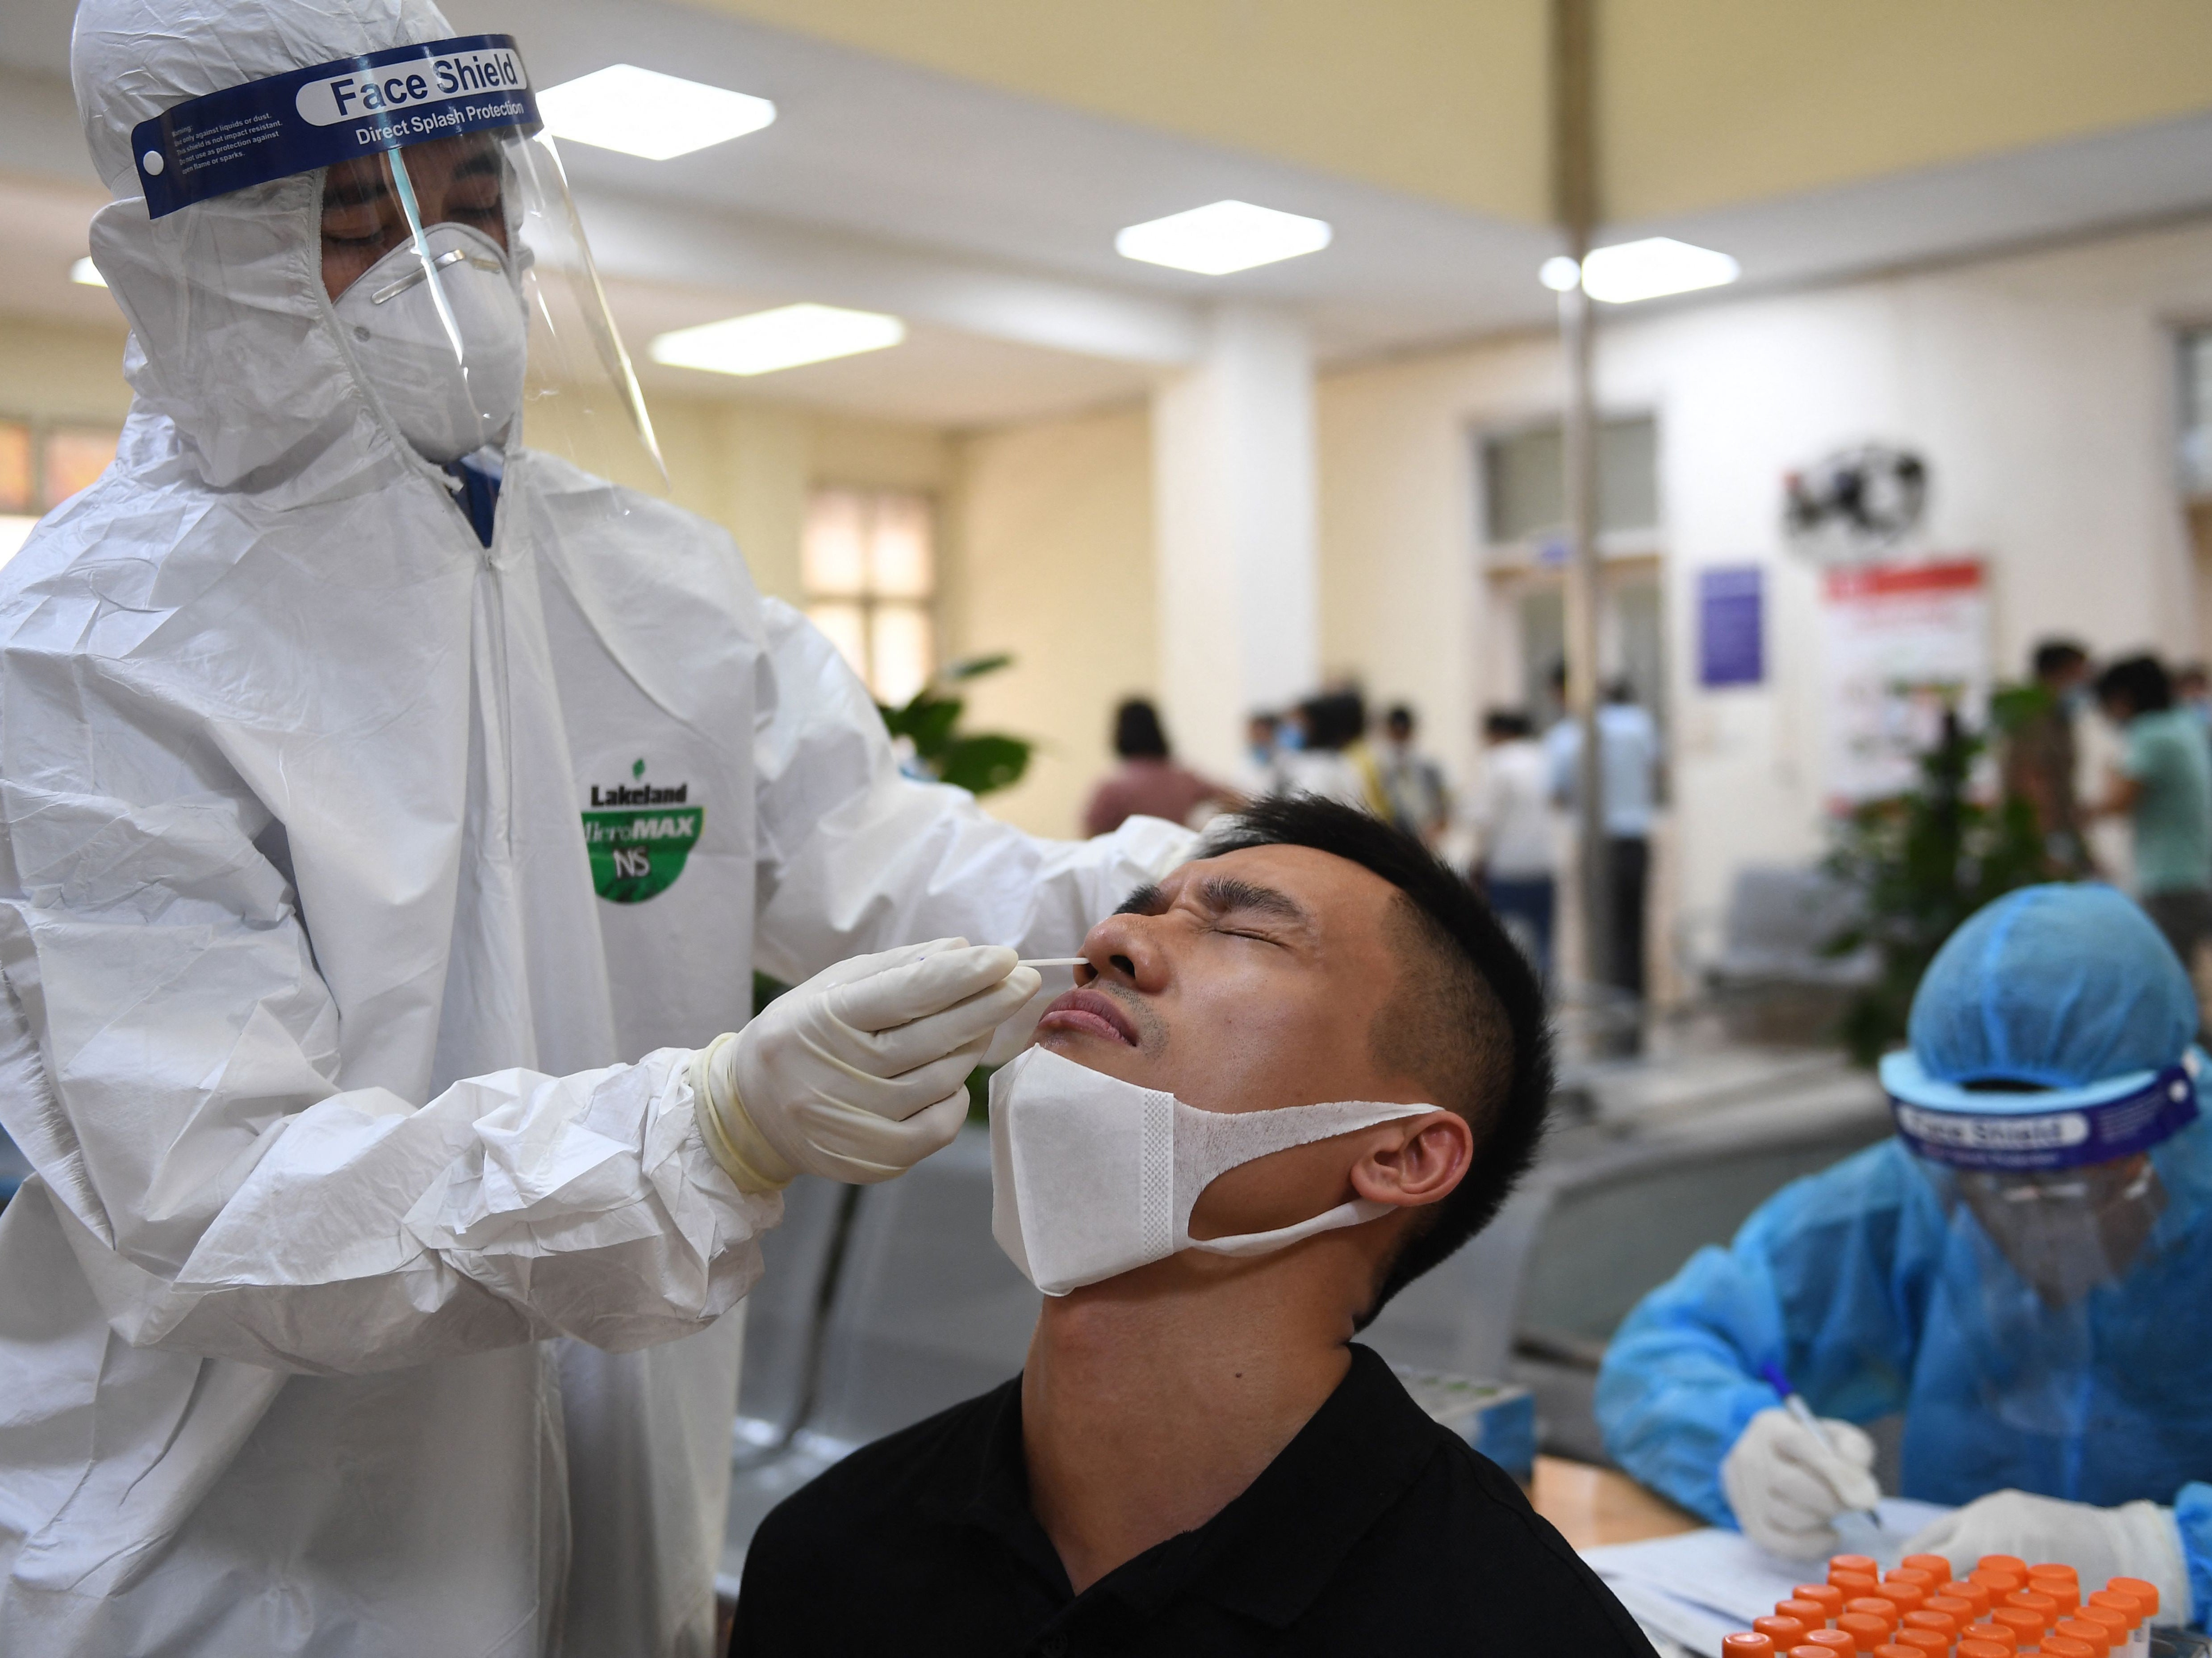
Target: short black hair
[[1401, 714], [2056, 656], [1506, 722], [2138, 681], [1335, 720], [1137, 732], [1488, 1006]]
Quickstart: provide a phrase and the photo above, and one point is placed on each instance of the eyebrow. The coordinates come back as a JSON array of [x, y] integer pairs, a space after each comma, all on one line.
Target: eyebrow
[[1226, 894], [1146, 900]]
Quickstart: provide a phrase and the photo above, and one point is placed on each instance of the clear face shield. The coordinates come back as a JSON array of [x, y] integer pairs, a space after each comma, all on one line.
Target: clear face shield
[[2053, 1198], [449, 250]]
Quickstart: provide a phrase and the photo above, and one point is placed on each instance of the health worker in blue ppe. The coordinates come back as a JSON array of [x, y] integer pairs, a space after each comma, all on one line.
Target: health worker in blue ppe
[[2024, 1271], [393, 813]]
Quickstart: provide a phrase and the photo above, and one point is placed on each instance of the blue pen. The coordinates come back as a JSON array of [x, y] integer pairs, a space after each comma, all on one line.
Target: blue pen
[[1800, 1411]]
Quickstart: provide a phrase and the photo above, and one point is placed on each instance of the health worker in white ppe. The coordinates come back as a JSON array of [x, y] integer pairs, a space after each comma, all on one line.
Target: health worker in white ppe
[[392, 812]]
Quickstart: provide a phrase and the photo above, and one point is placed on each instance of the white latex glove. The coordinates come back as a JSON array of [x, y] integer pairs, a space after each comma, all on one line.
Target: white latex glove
[[1787, 1484], [2137, 1540], [858, 1073]]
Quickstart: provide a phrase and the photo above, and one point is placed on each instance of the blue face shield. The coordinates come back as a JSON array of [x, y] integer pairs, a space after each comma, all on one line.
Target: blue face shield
[[2051, 1069]]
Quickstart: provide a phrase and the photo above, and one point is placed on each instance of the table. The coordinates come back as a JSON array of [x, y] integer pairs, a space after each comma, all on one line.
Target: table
[[1591, 1505]]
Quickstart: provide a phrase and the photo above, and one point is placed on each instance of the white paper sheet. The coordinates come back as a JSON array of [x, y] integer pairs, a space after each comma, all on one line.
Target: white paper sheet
[[1701, 1585]]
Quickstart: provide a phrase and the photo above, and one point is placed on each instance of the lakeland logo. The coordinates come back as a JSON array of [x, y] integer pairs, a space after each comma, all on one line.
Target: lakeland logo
[[638, 849]]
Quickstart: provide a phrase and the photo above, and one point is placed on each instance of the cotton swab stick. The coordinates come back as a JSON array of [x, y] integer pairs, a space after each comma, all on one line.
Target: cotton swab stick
[[1056, 960]]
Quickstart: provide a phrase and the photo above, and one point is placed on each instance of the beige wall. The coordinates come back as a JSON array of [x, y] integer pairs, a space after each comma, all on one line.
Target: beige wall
[[60, 371], [748, 467], [2040, 387], [1055, 538]]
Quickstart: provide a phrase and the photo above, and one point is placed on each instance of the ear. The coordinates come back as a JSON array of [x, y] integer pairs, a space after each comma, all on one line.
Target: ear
[[1416, 1161]]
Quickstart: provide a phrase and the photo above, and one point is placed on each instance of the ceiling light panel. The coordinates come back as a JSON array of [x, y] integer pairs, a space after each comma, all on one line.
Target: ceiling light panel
[[785, 337], [1652, 268], [1223, 237], [640, 111]]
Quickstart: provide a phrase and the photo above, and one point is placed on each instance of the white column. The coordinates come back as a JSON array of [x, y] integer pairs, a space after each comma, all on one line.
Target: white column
[[1238, 552]]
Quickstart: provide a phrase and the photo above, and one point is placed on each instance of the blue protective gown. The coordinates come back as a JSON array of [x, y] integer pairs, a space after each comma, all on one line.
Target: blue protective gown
[[1873, 1296]]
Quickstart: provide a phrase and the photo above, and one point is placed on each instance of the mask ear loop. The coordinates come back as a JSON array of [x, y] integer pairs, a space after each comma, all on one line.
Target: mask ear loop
[[1219, 1141]]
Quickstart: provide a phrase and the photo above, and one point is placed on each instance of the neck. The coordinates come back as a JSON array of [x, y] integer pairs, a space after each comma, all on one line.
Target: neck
[[1150, 1401]]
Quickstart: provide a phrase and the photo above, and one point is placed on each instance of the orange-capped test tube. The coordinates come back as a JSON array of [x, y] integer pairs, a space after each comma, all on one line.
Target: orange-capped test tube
[[1746, 1646], [1784, 1632], [1925, 1641], [1997, 1634], [2065, 1646], [1811, 1613], [1942, 1622], [1866, 1632], [2026, 1625], [1974, 1594], [1937, 1568], [1837, 1643], [2145, 1592], [1873, 1605], [1826, 1596], [2059, 1581], [2084, 1628], [2007, 1562], [1971, 1649], [1863, 1565]]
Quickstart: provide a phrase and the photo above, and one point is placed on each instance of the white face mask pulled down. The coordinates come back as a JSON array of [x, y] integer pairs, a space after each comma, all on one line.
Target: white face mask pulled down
[[444, 347], [1091, 1176]]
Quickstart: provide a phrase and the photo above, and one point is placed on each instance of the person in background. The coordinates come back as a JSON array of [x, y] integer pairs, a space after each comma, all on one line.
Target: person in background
[[1332, 759], [1148, 783], [1413, 783], [1628, 789], [2192, 693], [2039, 755], [2163, 787], [2023, 1271], [1516, 859], [1260, 773]]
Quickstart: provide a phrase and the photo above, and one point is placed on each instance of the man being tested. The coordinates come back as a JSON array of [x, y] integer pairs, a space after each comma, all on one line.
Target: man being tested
[[2025, 1273], [1301, 1071]]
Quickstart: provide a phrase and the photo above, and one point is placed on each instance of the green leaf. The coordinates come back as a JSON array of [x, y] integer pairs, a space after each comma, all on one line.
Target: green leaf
[[985, 763], [975, 667]]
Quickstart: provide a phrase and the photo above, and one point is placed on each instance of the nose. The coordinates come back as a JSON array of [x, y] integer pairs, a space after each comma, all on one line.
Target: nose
[[1127, 950]]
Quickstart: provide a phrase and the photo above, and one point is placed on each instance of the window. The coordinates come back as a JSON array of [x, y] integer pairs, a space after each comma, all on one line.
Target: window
[[40, 467], [870, 573], [1524, 487]]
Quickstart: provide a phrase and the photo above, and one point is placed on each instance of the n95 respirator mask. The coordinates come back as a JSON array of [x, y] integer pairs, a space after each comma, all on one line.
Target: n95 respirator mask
[[1091, 1176], [438, 332]]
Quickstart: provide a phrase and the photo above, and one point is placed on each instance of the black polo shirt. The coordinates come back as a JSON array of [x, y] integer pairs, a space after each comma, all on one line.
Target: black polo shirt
[[1375, 1531]]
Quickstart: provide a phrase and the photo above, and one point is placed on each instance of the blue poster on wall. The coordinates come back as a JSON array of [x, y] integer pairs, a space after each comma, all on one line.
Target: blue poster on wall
[[1731, 634]]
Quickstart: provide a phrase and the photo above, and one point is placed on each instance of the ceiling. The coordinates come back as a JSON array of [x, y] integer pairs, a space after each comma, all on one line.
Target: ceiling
[[985, 215]]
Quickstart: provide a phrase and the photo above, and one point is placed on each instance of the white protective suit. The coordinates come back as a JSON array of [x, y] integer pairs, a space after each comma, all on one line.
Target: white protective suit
[[368, 1296]]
